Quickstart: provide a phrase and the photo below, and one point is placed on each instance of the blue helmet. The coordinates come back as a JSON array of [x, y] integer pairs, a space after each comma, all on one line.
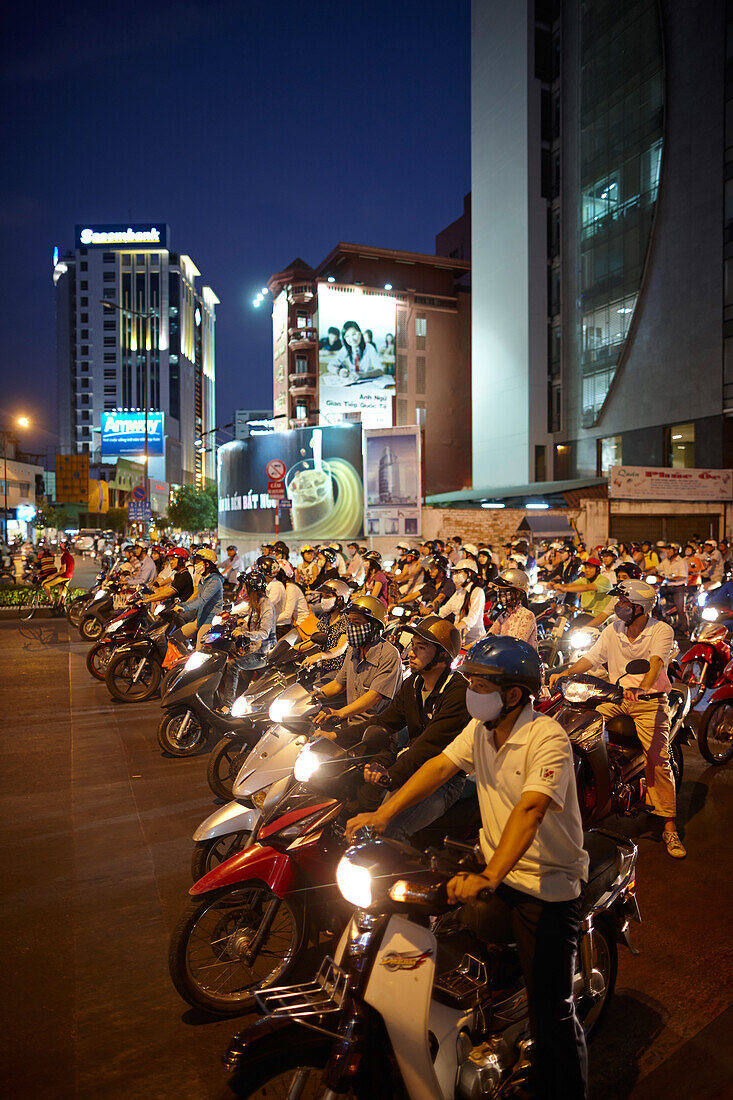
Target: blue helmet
[[505, 661]]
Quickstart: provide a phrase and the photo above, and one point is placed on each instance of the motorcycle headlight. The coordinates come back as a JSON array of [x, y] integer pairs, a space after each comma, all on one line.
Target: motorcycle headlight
[[217, 620], [111, 627], [398, 612], [538, 590], [355, 883], [158, 608], [709, 614], [581, 639], [579, 693], [651, 579], [241, 706], [100, 595], [196, 660], [702, 599], [306, 765], [279, 711]]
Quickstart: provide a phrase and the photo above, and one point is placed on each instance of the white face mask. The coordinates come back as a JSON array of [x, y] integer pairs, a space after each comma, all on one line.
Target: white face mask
[[459, 579], [198, 568], [328, 604], [485, 706]]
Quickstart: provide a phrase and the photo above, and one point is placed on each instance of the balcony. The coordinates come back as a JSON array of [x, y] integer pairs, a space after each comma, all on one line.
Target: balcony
[[302, 337], [302, 382], [300, 294]]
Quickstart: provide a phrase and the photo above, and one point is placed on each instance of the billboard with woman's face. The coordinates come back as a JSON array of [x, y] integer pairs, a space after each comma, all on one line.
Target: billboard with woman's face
[[356, 355], [312, 476]]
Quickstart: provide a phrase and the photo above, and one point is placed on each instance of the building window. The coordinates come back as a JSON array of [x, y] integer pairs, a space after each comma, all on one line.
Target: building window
[[301, 364], [681, 446], [85, 416], [84, 318], [85, 366], [420, 374], [84, 285], [108, 292], [110, 341], [85, 334], [84, 399], [109, 276], [109, 405], [110, 357], [109, 324], [302, 320], [110, 375], [421, 331], [84, 383], [126, 260], [301, 411], [608, 454], [85, 349], [83, 265], [84, 302], [540, 463], [108, 257]]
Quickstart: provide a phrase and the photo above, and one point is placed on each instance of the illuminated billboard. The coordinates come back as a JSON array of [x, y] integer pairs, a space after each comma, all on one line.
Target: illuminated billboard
[[312, 476], [123, 432], [356, 355], [120, 235], [393, 482]]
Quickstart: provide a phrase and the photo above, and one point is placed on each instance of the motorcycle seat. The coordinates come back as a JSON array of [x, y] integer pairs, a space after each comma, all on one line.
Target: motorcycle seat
[[621, 731], [603, 855]]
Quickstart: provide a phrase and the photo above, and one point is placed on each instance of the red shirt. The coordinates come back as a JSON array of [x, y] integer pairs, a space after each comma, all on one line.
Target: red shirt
[[67, 565]]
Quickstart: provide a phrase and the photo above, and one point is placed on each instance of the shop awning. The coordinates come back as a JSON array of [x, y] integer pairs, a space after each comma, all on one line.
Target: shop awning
[[546, 527], [517, 494]]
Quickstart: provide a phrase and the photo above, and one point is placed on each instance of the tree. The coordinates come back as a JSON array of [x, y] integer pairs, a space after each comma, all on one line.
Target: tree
[[116, 519], [194, 509], [51, 518]]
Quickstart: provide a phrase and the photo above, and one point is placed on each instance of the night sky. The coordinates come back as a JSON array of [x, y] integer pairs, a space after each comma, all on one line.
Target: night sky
[[259, 132]]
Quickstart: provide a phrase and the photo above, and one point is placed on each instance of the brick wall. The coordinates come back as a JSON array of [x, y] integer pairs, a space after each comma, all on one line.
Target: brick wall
[[493, 526]]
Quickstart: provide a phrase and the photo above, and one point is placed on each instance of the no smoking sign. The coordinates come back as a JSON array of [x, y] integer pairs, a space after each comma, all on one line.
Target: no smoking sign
[[275, 470]]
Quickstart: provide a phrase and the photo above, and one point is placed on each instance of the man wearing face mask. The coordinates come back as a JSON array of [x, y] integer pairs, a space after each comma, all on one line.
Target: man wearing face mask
[[535, 860], [431, 705], [372, 668], [636, 636]]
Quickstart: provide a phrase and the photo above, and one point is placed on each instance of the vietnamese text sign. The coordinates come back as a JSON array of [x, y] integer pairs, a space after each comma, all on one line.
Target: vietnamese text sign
[[668, 483], [138, 511], [392, 481], [123, 432]]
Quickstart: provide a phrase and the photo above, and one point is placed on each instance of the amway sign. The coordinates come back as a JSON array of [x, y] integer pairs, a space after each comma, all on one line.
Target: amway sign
[[123, 433]]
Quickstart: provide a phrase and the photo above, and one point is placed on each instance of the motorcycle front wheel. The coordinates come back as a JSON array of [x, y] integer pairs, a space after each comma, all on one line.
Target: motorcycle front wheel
[[694, 674], [98, 658], [207, 957], [208, 854], [290, 1063], [90, 628], [225, 760], [75, 610], [127, 683], [180, 733], [591, 1010], [715, 733]]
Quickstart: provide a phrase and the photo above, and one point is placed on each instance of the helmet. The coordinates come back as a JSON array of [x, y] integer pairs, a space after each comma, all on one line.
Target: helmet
[[232, 547], [267, 564], [370, 607], [439, 632], [307, 548], [337, 588], [711, 542], [412, 554], [631, 569], [607, 551], [254, 581], [638, 592], [512, 578], [469, 548], [328, 553], [400, 546], [373, 555], [205, 553], [520, 560], [505, 661], [179, 553], [436, 561], [281, 548], [595, 562], [465, 565]]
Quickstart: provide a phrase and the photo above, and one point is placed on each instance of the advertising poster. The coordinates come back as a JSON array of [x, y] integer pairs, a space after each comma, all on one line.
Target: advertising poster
[[123, 432], [314, 475], [393, 481], [669, 483], [356, 355]]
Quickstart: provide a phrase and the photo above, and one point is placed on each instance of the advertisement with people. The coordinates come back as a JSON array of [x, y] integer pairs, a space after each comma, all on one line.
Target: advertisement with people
[[356, 355], [305, 483], [393, 481]]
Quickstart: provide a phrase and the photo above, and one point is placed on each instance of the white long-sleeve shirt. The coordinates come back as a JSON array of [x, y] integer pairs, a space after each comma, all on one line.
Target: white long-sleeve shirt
[[295, 608], [276, 596], [470, 622]]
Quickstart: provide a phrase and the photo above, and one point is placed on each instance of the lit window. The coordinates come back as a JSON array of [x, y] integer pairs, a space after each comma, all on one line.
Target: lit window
[[681, 449], [609, 454]]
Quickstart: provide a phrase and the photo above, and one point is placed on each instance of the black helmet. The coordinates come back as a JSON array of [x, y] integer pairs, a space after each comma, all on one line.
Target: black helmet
[[411, 555], [328, 553], [437, 561], [631, 569], [505, 661], [439, 632], [232, 547], [254, 581], [267, 565], [282, 549], [373, 555]]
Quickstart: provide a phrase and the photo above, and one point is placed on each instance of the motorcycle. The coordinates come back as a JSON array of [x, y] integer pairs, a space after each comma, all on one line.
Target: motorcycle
[[251, 917], [419, 1007], [608, 757], [715, 731], [134, 670], [119, 631], [77, 607], [703, 663], [102, 608]]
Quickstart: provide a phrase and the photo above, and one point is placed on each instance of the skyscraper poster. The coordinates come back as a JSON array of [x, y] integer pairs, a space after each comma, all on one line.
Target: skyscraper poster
[[393, 481], [356, 355]]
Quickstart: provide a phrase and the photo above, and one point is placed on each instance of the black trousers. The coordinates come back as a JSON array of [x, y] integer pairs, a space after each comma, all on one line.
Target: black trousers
[[546, 935]]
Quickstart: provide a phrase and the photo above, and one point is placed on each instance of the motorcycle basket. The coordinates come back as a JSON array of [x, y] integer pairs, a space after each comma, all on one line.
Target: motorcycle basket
[[309, 1002]]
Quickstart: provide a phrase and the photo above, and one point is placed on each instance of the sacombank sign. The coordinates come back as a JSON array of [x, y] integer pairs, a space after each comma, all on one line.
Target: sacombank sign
[[130, 236], [123, 432]]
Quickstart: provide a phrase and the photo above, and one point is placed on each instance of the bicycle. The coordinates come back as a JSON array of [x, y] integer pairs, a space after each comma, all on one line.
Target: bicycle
[[37, 599]]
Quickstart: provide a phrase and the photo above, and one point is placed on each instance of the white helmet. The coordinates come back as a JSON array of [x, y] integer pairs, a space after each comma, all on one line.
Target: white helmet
[[465, 565], [513, 578], [469, 548], [638, 592]]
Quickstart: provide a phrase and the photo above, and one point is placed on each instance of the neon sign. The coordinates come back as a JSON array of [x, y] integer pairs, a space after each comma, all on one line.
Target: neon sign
[[136, 236], [123, 432]]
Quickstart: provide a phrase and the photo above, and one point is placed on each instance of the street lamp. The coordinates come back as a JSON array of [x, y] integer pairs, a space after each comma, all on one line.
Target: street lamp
[[21, 422]]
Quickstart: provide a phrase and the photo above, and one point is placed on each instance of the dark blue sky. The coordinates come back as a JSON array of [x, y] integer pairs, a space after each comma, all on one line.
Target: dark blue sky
[[258, 131]]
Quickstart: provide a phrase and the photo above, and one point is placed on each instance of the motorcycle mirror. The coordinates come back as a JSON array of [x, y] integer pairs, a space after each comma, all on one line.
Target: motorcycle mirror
[[637, 668], [319, 638]]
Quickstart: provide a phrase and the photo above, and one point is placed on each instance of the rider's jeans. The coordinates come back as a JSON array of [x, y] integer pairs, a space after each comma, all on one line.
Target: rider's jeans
[[424, 813], [651, 718], [546, 935]]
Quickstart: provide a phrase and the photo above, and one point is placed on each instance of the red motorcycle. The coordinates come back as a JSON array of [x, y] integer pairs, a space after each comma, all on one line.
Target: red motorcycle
[[703, 664], [715, 732], [250, 918]]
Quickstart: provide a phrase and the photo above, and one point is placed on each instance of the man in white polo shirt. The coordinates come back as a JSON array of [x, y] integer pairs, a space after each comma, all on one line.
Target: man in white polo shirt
[[535, 860], [633, 636]]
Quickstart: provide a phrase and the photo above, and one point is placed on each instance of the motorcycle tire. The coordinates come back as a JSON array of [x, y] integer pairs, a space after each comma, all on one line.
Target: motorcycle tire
[[605, 960], [76, 609], [716, 750], [677, 764], [208, 854], [98, 658], [194, 737], [118, 678], [694, 674], [269, 1065], [225, 760], [90, 628], [212, 934]]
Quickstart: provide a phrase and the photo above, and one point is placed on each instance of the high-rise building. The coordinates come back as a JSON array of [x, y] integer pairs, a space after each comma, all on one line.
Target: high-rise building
[[134, 331], [379, 337], [602, 237]]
